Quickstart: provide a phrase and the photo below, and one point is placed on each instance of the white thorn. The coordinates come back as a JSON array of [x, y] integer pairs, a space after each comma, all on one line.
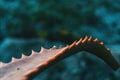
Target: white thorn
[[80, 41], [1, 63], [85, 39], [108, 49], [73, 44], [13, 59], [96, 40], [90, 39], [42, 49], [54, 47], [33, 52], [102, 43], [23, 56]]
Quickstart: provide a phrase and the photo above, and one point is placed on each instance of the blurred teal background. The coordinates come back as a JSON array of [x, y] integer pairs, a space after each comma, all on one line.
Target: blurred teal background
[[29, 24]]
